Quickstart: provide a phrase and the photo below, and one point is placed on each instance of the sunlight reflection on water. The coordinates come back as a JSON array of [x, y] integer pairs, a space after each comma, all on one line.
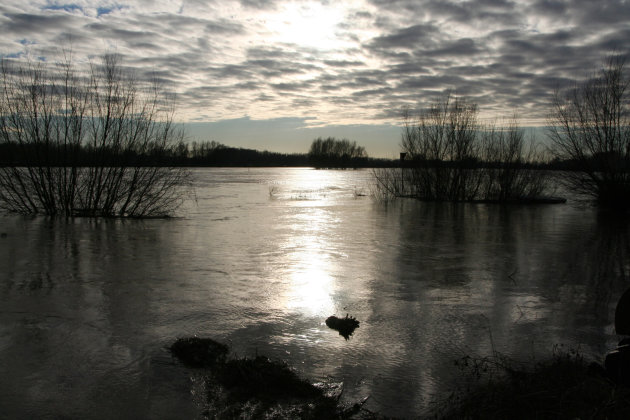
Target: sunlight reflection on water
[[262, 258]]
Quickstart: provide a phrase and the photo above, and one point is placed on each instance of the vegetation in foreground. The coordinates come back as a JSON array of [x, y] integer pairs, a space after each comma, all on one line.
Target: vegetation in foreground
[[563, 387], [259, 387]]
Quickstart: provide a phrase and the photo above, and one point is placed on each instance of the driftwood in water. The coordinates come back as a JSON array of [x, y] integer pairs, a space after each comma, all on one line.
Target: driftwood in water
[[345, 326]]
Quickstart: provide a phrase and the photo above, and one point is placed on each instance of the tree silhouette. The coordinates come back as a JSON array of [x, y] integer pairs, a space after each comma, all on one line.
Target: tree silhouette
[[335, 153], [92, 144], [590, 126]]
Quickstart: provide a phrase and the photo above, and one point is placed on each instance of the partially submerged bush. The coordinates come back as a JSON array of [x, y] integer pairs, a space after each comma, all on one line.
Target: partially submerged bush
[[447, 155], [442, 145]]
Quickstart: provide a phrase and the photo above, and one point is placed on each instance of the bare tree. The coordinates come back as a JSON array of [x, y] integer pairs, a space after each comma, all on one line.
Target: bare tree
[[87, 144], [505, 154], [590, 125], [442, 146], [450, 156]]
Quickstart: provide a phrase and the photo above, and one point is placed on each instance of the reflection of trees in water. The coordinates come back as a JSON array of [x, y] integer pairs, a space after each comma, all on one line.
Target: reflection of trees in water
[[90, 327], [473, 278], [595, 270], [433, 241], [575, 262], [412, 332], [613, 254]]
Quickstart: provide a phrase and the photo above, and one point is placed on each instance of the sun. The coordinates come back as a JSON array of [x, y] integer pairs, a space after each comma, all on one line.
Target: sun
[[311, 25]]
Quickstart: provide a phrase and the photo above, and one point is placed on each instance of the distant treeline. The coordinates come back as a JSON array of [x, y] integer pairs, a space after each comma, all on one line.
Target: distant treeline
[[336, 153], [202, 154], [214, 154]]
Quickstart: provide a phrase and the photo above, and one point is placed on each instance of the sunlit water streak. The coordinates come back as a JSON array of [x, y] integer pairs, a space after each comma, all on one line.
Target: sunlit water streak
[[87, 307]]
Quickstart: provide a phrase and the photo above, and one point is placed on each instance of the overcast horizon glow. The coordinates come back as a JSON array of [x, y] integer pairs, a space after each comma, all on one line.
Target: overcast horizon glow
[[274, 74]]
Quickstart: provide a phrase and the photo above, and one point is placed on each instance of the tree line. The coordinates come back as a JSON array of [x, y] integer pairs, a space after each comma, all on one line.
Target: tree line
[[178, 154], [196, 154], [214, 154]]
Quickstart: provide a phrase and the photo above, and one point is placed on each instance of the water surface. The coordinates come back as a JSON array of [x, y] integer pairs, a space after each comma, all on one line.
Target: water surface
[[261, 258]]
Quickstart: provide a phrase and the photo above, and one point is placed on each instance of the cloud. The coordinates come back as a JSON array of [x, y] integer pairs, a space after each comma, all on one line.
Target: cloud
[[259, 4], [291, 87], [406, 38], [233, 58], [550, 7], [343, 63], [26, 24], [457, 48]]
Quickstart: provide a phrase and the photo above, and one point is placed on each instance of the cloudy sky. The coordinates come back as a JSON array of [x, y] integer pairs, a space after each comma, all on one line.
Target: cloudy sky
[[274, 74]]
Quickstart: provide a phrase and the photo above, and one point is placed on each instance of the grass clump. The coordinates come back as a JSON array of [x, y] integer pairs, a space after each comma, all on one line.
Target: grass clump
[[563, 387]]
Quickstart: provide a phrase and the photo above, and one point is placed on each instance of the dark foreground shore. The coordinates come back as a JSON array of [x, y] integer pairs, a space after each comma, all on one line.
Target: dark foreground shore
[[566, 386]]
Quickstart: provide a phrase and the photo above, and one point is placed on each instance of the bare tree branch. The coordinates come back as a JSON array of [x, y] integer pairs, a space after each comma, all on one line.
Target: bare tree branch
[[94, 143]]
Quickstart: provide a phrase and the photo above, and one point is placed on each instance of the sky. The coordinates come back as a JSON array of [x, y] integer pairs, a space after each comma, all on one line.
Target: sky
[[275, 74]]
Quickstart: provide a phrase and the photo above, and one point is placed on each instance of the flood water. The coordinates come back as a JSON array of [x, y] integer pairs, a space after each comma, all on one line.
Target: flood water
[[261, 258]]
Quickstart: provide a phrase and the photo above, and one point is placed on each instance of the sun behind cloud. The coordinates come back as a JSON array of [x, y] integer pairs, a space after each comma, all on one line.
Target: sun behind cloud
[[311, 25], [333, 65]]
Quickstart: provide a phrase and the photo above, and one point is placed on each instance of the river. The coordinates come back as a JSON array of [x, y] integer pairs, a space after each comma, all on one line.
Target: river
[[261, 257]]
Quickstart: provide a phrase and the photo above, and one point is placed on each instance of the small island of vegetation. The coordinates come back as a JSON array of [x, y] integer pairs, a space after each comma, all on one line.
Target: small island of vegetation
[[449, 156]]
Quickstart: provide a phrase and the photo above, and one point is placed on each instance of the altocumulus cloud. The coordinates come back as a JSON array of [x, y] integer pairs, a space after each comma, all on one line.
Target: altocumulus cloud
[[330, 64]]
